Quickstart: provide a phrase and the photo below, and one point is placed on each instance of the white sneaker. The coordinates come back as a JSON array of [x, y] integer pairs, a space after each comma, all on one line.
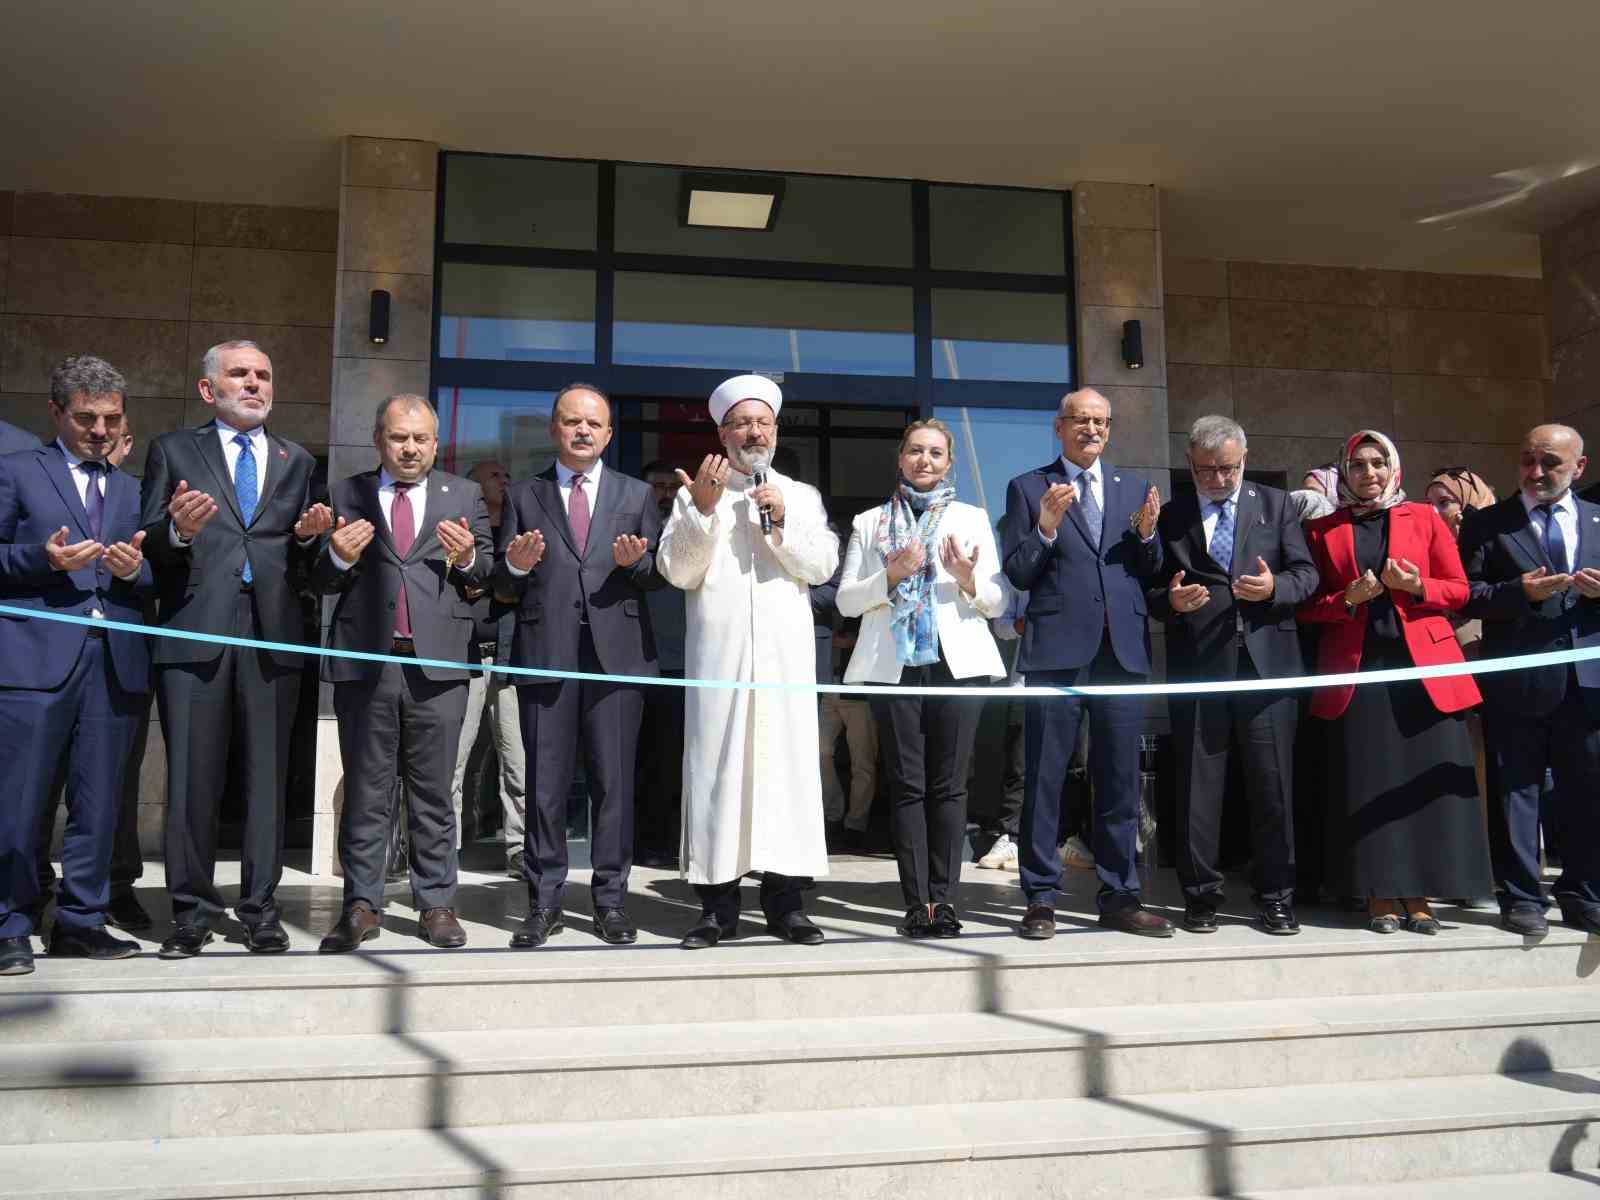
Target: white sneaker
[[1075, 854], [1002, 855]]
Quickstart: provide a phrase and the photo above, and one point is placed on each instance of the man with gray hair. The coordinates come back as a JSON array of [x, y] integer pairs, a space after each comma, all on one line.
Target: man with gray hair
[[230, 531], [1236, 567]]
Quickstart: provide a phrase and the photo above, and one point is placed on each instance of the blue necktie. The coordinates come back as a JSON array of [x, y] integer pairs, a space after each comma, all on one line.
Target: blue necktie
[[1091, 510], [1222, 537], [94, 501], [245, 488], [1555, 546]]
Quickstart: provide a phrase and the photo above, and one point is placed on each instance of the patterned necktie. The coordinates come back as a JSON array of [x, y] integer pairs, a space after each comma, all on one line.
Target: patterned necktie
[[403, 526], [1222, 537], [1092, 516], [94, 501], [578, 513], [245, 489], [1555, 546]]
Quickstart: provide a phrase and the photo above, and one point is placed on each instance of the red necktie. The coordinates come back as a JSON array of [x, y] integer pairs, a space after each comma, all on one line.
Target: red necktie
[[578, 513], [404, 527]]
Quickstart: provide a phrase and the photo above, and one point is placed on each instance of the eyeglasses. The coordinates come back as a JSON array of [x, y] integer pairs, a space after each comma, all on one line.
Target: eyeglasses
[[1220, 471], [745, 424], [1087, 422]]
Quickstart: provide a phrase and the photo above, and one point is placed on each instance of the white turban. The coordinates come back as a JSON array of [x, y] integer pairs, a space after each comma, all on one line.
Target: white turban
[[745, 387]]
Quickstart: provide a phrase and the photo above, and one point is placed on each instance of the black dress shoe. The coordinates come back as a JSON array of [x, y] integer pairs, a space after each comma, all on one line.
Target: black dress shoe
[[1038, 923], [125, 912], [1199, 917], [1277, 917], [707, 932], [358, 923], [266, 937], [1583, 920], [185, 941], [94, 943], [538, 927], [612, 925], [1528, 920], [916, 924], [1135, 919], [794, 927], [16, 956], [945, 922]]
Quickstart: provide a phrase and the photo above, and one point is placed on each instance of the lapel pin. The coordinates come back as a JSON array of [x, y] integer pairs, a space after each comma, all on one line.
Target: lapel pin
[[1251, 493], [282, 453], [444, 489], [1116, 479]]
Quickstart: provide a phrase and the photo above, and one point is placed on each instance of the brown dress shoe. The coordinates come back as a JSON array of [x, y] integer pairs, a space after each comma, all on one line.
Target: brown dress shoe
[[359, 923], [1134, 919], [440, 928], [1038, 923]]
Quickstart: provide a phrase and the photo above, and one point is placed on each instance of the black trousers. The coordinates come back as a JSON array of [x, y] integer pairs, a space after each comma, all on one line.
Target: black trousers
[[927, 745], [230, 720], [399, 722], [1204, 729], [557, 718], [780, 896]]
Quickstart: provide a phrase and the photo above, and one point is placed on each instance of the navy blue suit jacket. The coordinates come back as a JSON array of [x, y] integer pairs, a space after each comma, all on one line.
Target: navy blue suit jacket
[[38, 497], [13, 439], [1076, 590], [1499, 544]]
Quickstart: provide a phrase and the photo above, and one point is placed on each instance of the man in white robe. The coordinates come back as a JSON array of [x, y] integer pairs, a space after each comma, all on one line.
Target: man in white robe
[[752, 796]]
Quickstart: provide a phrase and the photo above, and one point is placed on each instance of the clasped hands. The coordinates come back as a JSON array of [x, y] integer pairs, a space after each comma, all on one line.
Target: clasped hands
[[961, 561], [1191, 597], [123, 559]]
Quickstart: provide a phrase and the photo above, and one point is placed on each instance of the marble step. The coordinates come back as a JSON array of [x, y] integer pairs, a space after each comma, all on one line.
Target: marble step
[[1233, 1142], [1545, 1185], [576, 980], [208, 1087]]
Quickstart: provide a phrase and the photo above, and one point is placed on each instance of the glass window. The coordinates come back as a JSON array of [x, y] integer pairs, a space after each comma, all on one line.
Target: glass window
[[1000, 335], [996, 229], [864, 222], [521, 313], [520, 202], [508, 426], [994, 446], [762, 325]]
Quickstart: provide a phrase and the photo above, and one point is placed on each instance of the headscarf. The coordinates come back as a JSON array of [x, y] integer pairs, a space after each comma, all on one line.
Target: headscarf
[[1327, 478], [906, 514], [1391, 494], [1468, 487]]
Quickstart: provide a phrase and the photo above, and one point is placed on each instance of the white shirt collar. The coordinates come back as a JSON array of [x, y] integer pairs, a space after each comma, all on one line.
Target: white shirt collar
[[1073, 470], [73, 461], [565, 473], [386, 480], [1206, 501], [1566, 504], [228, 432]]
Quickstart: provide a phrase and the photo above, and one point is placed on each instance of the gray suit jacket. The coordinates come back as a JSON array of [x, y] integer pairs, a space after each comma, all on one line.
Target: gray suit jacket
[[441, 615]]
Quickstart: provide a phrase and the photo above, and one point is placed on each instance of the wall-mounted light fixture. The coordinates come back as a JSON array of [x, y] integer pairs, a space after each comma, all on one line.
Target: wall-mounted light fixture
[[715, 201], [378, 318], [1132, 345]]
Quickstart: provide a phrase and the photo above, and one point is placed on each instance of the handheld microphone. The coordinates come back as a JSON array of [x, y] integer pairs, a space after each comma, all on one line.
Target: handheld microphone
[[758, 476]]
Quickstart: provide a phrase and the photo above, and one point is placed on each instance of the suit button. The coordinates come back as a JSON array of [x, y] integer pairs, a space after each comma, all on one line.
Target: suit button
[[578, 604], [391, 604]]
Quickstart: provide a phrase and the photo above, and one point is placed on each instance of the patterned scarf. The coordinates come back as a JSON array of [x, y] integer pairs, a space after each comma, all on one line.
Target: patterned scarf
[[1467, 487], [1391, 494], [905, 515]]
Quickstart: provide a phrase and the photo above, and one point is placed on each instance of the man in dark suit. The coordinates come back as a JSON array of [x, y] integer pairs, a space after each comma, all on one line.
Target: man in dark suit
[[1069, 540], [1239, 565], [577, 552], [69, 543], [230, 532], [1533, 561], [13, 439], [409, 542]]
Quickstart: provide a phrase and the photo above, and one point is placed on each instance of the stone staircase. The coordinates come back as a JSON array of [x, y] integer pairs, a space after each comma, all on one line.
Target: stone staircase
[[1333, 1066]]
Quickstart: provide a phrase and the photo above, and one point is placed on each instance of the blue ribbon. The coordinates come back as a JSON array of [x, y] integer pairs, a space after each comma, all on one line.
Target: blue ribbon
[[1482, 666]]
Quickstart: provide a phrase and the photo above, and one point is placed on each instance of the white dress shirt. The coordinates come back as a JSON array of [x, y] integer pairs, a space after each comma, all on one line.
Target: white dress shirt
[[418, 495], [1565, 511], [82, 479]]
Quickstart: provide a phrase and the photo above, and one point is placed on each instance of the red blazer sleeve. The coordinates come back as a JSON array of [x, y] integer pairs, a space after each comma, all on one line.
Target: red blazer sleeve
[[1326, 605]]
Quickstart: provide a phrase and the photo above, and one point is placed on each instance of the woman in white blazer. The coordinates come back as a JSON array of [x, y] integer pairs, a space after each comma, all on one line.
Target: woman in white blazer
[[923, 574]]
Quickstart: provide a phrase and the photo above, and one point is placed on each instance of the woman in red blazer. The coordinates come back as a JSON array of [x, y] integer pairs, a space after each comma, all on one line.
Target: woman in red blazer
[[1405, 822]]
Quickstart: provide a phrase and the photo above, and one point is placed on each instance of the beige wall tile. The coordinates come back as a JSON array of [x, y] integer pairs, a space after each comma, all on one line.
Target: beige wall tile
[[386, 229], [1195, 277], [390, 163], [347, 460], [103, 218], [1177, 449], [1198, 330], [150, 417], [264, 287], [1100, 347], [1139, 427], [1119, 266], [307, 424], [267, 227], [1473, 410], [99, 279], [1195, 390], [1281, 403], [410, 315], [1292, 455], [28, 412], [1117, 205], [150, 354], [1574, 297], [1304, 284], [1462, 293], [1325, 337], [1575, 374], [358, 385], [1502, 345], [302, 357]]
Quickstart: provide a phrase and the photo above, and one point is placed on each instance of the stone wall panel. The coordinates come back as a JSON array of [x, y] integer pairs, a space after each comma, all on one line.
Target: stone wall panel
[[1119, 267], [1195, 277], [103, 218], [1116, 205], [1304, 284], [410, 315], [262, 287], [74, 278], [1323, 337], [1283, 403], [387, 229], [1195, 390], [1463, 409], [1498, 345], [1199, 330], [1139, 425], [267, 227], [390, 163], [150, 354], [1574, 289], [1100, 347]]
